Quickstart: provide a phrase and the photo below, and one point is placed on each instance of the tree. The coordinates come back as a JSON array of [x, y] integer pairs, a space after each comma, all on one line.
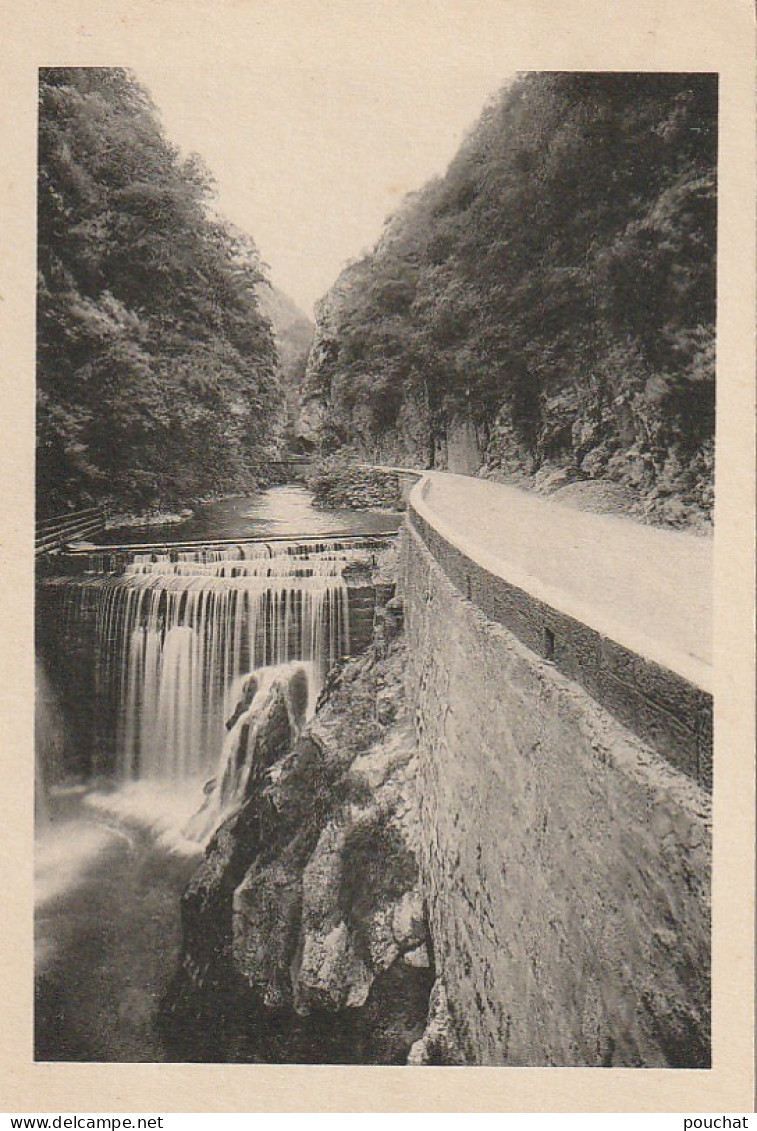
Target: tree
[[556, 288], [155, 366]]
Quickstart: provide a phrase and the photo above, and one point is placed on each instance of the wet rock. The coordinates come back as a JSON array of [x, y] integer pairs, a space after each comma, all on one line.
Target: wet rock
[[249, 691], [331, 974], [549, 479], [395, 613], [313, 888], [438, 1045], [418, 957], [261, 742]]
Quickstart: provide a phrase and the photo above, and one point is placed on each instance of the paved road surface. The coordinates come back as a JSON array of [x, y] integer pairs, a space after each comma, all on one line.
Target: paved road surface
[[648, 589]]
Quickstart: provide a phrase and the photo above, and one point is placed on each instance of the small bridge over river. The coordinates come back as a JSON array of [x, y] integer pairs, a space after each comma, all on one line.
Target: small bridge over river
[[291, 468]]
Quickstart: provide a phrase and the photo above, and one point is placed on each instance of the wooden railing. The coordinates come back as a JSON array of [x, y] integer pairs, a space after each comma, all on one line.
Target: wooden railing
[[54, 533]]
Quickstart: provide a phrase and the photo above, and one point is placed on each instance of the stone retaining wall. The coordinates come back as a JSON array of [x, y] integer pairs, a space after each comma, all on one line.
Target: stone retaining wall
[[664, 709], [362, 605], [566, 864]]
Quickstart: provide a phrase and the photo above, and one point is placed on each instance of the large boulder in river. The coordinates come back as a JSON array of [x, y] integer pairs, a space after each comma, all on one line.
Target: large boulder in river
[[311, 893], [263, 738], [262, 729], [352, 892]]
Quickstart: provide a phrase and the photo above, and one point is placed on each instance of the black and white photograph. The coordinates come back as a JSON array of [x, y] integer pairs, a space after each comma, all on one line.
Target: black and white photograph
[[376, 501]]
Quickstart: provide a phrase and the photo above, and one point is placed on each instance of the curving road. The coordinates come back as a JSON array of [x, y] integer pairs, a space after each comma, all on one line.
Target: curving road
[[648, 589]]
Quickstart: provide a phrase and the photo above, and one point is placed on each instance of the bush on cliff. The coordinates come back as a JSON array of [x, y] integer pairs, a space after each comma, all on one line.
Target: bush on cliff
[[335, 483]]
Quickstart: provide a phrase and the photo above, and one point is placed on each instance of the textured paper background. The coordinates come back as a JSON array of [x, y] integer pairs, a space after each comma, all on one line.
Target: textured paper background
[[591, 35]]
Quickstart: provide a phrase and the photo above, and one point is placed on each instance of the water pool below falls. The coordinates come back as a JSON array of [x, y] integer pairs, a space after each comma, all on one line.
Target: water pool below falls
[[150, 686]]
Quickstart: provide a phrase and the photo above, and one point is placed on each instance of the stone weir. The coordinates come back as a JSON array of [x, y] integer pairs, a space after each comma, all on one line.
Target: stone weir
[[357, 551], [143, 646]]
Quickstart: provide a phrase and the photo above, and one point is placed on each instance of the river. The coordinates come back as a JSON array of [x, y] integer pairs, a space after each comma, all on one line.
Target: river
[[109, 869], [107, 935], [277, 512]]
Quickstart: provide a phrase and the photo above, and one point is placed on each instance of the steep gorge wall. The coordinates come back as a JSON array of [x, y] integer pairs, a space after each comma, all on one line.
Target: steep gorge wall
[[565, 864], [304, 933], [547, 307]]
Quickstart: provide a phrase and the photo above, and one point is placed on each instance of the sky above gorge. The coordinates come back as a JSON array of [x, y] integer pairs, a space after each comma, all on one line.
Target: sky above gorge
[[314, 133]]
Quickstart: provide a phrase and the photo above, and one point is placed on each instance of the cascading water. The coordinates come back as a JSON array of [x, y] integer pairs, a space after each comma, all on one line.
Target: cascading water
[[171, 680], [188, 642], [254, 697]]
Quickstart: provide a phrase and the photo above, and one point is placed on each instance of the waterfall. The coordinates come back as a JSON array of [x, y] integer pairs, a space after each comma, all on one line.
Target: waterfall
[[256, 697], [178, 635]]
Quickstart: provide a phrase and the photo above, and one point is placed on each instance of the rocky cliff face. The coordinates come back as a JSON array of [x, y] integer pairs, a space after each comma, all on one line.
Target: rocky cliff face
[[304, 927], [293, 333], [313, 415], [580, 342]]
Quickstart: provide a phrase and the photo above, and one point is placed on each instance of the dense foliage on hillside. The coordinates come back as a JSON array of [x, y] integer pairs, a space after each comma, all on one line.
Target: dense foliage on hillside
[[554, 291], [155, 376], [338, 481]]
